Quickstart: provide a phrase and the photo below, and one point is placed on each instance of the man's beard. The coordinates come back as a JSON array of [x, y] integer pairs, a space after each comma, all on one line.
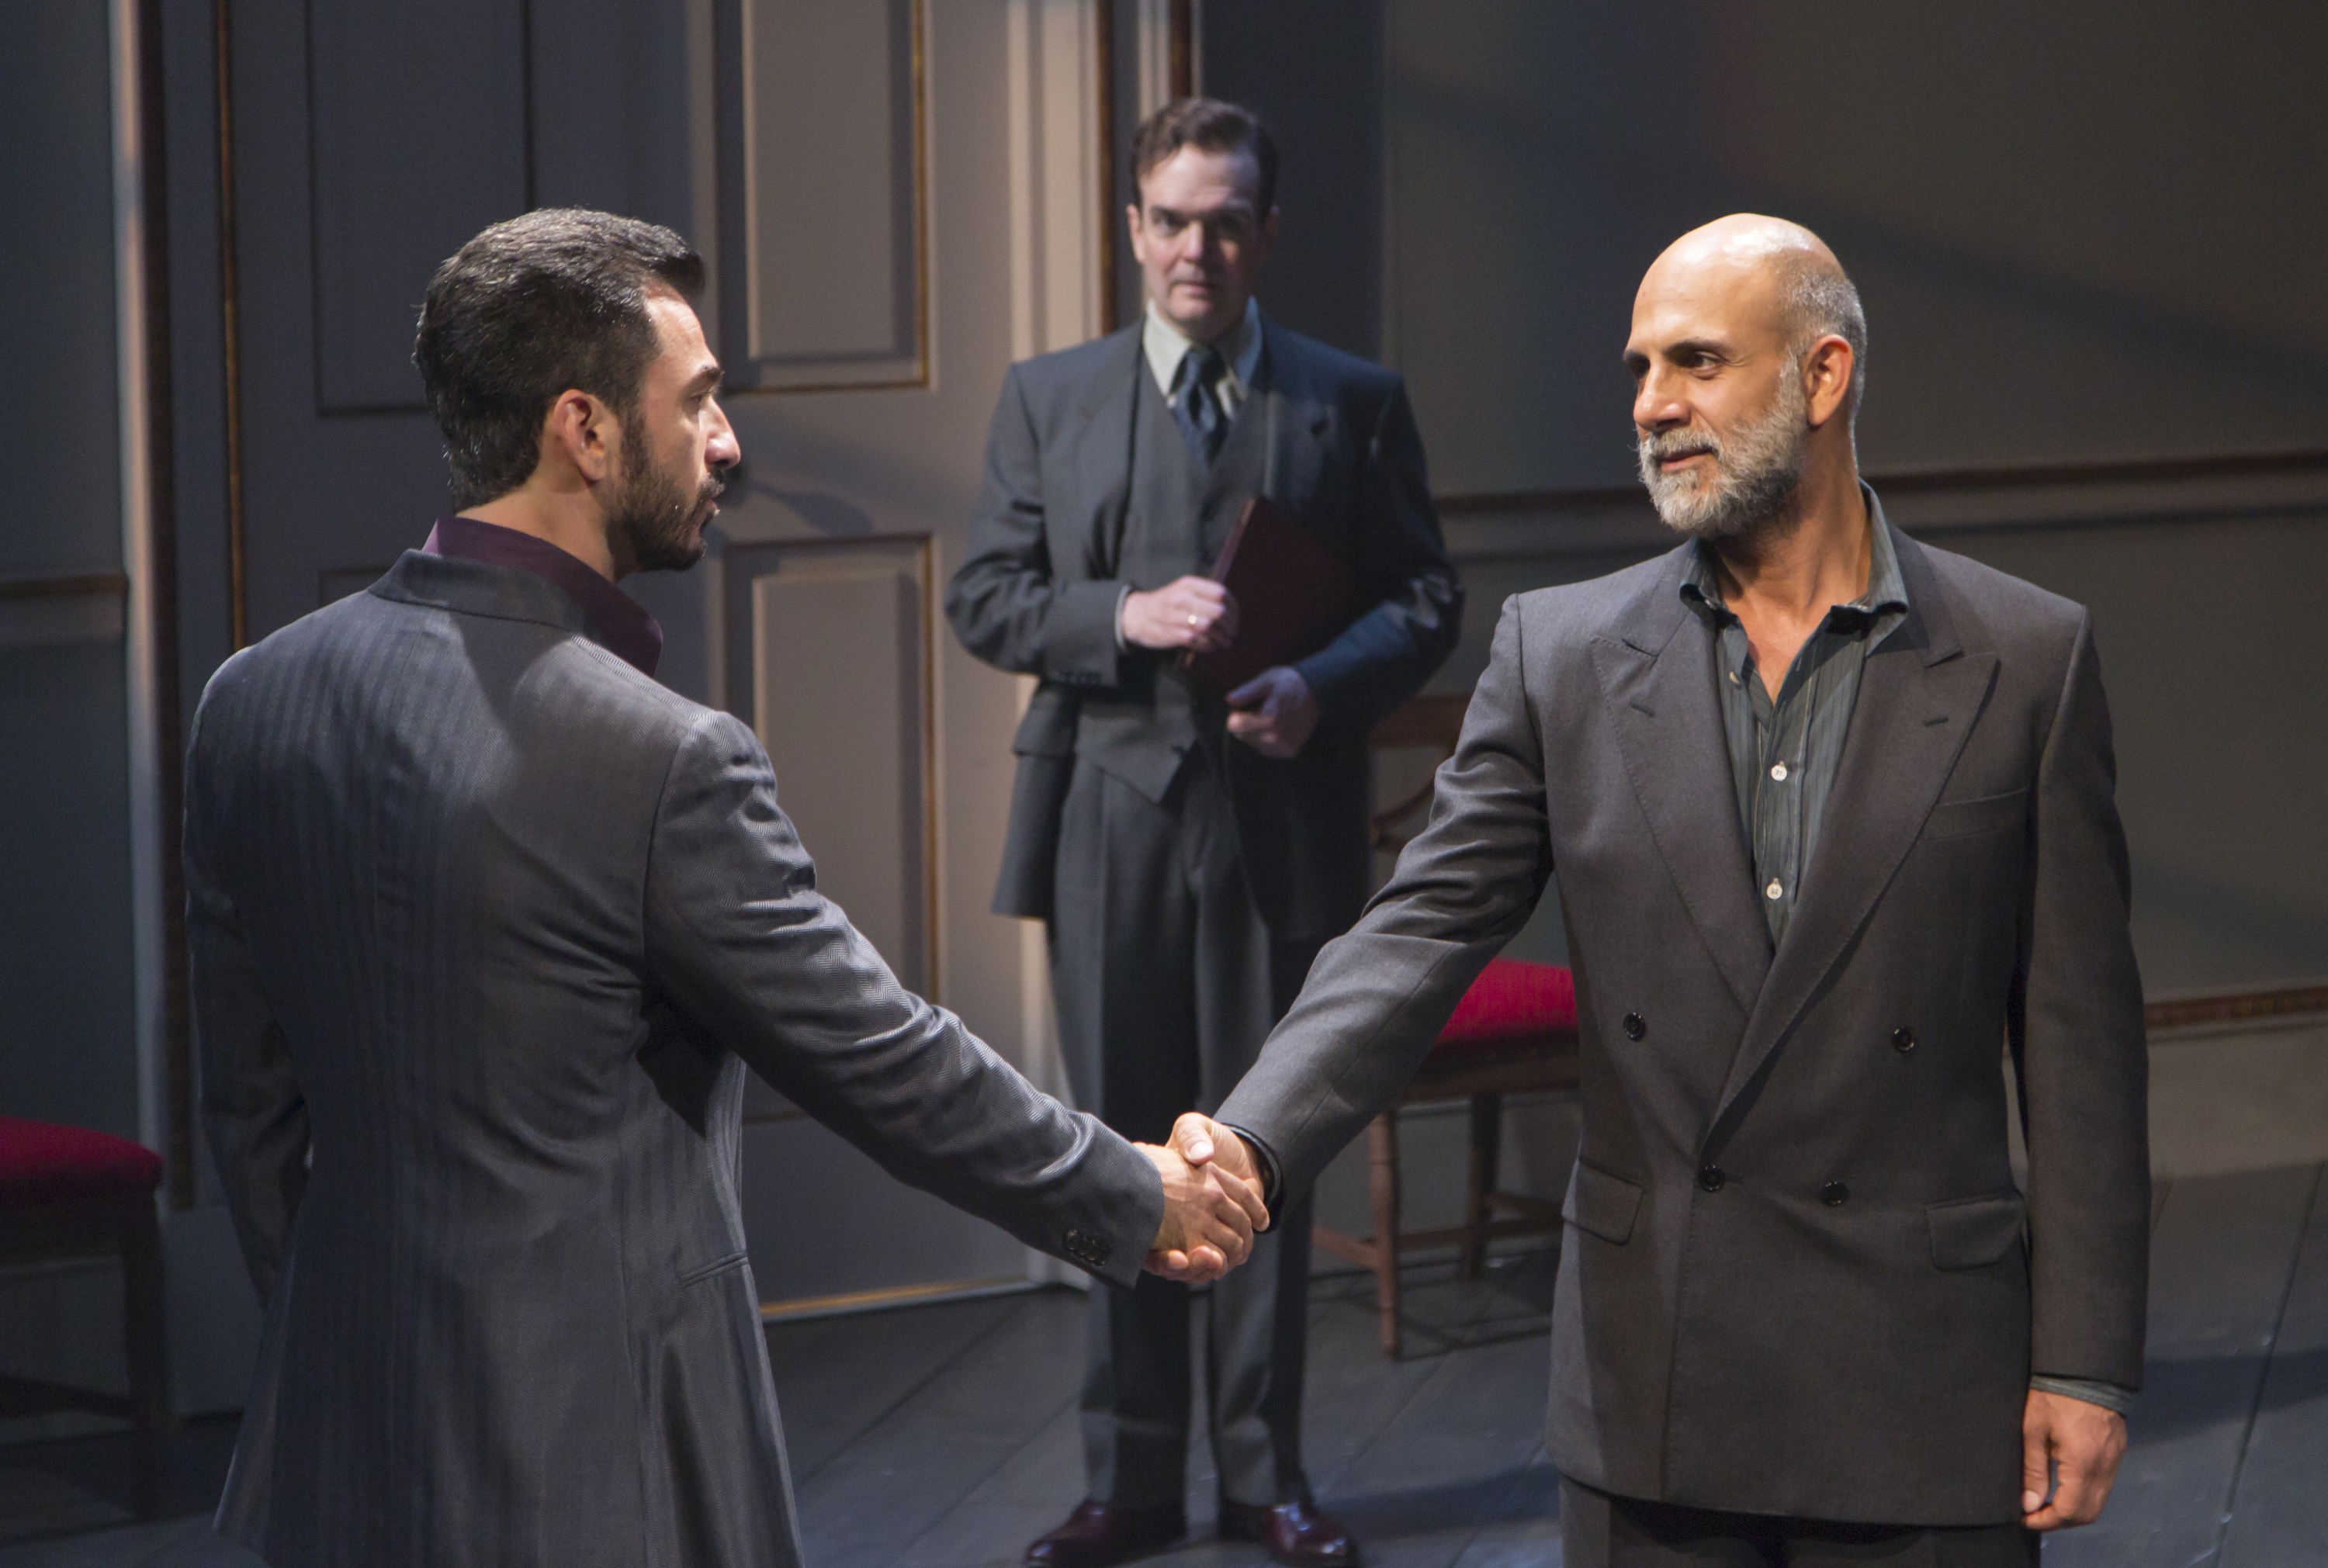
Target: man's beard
[[657, 516], [1752, 490]]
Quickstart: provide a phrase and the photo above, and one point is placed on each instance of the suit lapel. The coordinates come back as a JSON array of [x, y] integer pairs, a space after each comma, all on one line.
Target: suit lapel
[[1656, 680], [1295, 421], [1102, 448], [1919, 695]]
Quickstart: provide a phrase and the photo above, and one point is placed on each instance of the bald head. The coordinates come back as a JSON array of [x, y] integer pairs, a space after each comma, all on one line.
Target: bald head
[[1771, 275]]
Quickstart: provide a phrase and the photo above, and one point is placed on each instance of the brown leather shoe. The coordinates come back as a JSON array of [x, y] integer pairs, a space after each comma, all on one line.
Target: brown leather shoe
[[1298, 1535], [1098, 1535]]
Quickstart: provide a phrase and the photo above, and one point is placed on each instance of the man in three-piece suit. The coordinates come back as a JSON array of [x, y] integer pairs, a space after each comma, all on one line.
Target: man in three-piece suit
[[485, 927], [1831, 814], [1190, 856]]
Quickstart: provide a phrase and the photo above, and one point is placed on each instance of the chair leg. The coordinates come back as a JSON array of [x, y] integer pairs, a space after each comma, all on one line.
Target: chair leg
[[1487, 1147], [142, 1336], [1381, 1143]]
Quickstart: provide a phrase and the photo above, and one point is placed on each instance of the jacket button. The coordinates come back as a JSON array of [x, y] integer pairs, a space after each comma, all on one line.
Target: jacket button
[[1903, 1039], [1834, 1194], [1711, 1177], [1635, 1026], [1086, 1247]]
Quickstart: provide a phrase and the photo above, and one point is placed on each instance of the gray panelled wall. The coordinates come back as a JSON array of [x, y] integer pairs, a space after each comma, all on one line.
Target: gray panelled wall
[[2083, 234]]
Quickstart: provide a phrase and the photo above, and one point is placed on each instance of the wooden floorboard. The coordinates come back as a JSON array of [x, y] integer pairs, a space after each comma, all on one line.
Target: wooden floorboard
[[882, 1492], [836, 1377], [947, 1436], [2220, 1269], [1354, 1396], [1463, 1457], [2279, 1512]]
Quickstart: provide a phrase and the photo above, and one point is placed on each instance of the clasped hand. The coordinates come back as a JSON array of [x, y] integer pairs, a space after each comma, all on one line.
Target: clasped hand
[[1212, 1202], [1275, 712]]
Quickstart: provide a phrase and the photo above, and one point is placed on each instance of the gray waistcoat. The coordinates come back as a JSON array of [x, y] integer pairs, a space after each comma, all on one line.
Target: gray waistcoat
[[1177, 519]]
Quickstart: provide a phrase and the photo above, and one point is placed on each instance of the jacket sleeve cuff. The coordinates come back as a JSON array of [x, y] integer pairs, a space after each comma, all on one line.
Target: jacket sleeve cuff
[[1080, 639], [1266, 1158]]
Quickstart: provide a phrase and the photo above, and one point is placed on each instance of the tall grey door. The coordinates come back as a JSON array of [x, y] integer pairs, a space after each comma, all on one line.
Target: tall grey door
[[896, 198]]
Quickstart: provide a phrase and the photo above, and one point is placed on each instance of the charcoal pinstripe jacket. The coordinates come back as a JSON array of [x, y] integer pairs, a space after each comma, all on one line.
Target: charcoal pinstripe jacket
[[492, 925]]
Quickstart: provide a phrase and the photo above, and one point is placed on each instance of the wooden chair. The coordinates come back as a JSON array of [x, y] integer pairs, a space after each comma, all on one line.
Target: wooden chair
[[66, 1192], [1514, 1032]]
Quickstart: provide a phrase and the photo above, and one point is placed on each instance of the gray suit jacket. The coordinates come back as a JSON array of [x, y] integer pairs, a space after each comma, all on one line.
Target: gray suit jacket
[[492, 925], [1737, 1340], [1036, 594]]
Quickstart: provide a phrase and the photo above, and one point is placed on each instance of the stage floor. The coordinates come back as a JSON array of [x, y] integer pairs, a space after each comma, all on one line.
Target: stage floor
[[946, 1436]]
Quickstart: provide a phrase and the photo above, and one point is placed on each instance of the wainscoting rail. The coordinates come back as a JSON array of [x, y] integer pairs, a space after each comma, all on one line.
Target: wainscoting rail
[[1617, 520]]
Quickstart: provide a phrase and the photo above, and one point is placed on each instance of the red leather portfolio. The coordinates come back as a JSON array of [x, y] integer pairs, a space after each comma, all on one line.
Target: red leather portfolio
[[1293, 597]]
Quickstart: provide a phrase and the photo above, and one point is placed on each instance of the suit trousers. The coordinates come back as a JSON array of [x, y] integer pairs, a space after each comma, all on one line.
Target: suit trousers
[[1166, 983], [1601, 1530]]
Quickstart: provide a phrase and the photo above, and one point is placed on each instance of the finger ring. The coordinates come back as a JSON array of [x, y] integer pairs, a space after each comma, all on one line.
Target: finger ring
[[1192, 620]]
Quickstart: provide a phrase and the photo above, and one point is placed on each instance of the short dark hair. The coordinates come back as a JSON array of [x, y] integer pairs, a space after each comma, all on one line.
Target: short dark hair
[[1215, 126], [555, 299]]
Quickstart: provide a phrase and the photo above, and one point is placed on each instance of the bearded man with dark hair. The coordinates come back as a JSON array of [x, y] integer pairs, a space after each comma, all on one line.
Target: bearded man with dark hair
[[485, 928]]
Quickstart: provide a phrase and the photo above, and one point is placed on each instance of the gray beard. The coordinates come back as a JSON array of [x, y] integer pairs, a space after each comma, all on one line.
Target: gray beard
[[1756, 472]]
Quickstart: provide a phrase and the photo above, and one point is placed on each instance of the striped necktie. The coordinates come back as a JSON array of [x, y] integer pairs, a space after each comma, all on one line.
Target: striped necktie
[[1196, 404]]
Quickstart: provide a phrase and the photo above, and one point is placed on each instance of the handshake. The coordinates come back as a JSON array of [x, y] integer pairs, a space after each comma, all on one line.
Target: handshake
[[1211, 1201]]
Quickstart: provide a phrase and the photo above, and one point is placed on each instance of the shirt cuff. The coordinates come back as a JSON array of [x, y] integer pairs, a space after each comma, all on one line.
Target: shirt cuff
[[1122, 644], [2108, 1396]]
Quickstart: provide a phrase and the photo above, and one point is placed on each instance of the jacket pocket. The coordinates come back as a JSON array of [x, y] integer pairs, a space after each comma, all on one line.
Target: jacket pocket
[[1601, 1205], [695, 1276], [1984, 814], [1049, 727], [1975, 1232]]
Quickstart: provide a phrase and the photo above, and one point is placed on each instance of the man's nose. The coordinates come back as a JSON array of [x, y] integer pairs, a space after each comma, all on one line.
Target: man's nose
[[1655, 406], [722, 450]]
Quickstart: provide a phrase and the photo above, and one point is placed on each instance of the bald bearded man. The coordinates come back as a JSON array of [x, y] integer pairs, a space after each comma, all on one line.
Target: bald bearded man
[[1832, 817]]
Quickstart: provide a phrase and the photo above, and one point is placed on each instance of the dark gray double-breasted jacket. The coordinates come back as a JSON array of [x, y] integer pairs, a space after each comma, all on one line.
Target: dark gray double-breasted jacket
[[485, 928], [1798, 1276]]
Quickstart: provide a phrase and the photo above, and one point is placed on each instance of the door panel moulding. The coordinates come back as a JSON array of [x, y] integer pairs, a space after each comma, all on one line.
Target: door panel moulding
[[804, 303], [1058, 173], [149, 603], [857, 604]]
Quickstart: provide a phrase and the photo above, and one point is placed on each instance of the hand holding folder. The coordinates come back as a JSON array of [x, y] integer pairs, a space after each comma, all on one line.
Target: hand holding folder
[[1293, 597]]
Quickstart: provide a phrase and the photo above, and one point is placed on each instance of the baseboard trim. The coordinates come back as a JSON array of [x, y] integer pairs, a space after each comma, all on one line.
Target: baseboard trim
[[793, 1311]]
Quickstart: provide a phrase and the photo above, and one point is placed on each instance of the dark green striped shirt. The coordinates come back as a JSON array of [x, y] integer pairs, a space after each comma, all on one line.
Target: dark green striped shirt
[[1783, 752]]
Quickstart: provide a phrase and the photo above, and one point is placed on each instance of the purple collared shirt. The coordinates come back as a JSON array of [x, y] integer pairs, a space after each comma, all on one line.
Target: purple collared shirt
[[616, 621]]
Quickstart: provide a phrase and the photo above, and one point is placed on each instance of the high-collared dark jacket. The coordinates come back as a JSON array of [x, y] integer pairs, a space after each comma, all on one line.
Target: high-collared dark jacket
[[486, 927], [1798, 1277], [1036, 594]]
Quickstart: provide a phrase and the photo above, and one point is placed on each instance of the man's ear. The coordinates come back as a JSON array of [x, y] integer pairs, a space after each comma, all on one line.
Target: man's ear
[[1826, 376], [583, 434]]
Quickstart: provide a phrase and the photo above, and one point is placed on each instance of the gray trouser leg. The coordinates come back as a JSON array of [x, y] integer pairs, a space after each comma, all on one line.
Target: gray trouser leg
[[1166, 983]]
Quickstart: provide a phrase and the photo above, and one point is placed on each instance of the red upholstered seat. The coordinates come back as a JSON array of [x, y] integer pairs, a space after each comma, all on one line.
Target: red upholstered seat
[[1511, 1002], [42, 1162]]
